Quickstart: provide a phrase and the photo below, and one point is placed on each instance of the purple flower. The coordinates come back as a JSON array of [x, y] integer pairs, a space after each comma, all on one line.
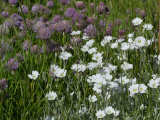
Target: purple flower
[[84, 10], [50, 3], [77, 17], [102, 4], [100, 9], [121, 32], [23, 25], [64, 2], [35, 9], [91, 30], [64, 26], [16, 19], [102, 23], [3, 29], [76, 41], [13, 1], [57, 18], [109, 30], [3, 84], [81, 24], [12, 64], [24, 9], [70, 12], [4, 14], [92, 5], [44, 33], [20, 56], [34, 49], [80, 5], [53, 27], [52, 46], [117, 22], [142, 13], [38, 26], [26, 45], [128, 11]]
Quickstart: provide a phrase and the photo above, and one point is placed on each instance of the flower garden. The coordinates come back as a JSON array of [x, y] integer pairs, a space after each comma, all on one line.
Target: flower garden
[[79, 60]]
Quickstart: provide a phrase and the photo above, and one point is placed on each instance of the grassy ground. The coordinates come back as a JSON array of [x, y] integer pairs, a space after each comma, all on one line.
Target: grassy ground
[[26, 98]]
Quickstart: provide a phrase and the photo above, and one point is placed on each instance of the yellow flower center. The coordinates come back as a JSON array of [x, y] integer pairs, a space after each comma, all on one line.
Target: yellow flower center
[[135, 90], [139, 41], [100, 115]]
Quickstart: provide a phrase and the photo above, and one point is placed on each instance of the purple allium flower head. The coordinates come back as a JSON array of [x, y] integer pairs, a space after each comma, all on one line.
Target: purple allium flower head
[[12, 64], [26, 45], [80, 5], [121, 32], [121, 37], [100, 9], [109, 30], [3, 84], [4, 14], [53, 27], [84, 10], [38, 26], [142, 13], [90, 20], [35, 9], [50, 3], [6, 46], [16, 19], [77, 17], [57, 18], [70, 12], [53, 46], [44, 33], [91, 30], [102, 4], [64, 26], [23, 25], [81, 24], [13, 1], [102, 23], [92, 5], [34, 49], [24, 9], [76, 41], [64, 2], [46, 11]]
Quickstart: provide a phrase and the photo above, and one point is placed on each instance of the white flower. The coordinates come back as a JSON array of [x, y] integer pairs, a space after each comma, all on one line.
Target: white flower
[[153, 83], [51, 95], [85, 37], [131, 35], [76, 33], [137, 21], [112, 67], [108, 38], [109, 110], [134, 89], [142, 88], [130, 40], [126, 66], [65, 55], [147, 26], [117, 89], [103, 43], [114, 45], [100, 114], [60, 73], [83, 110], [140, 41], [125, 46], [123, 80], [92, 50], [48, 118], [148, 42], [112, 84], [71, 94], [92, 98], [90, 43], [34, 75], [78, 67], [97, 57], [120, 40], [116, 113], [85, 48]]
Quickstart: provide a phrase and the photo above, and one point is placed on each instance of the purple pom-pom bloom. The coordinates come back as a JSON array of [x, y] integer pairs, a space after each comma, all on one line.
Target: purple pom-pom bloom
[[91, 30], [4, 14], [57, 18], [92, 5], [64, 26], [70, 12], [77, 17], [34, 49], [80, 5], [13, 1], [35, 9], [16, 19], [26, 45], [50, 3], [64, 2], [3, 84], [100, 9], [44, 33], [12, 64], [23, 25], [24, 9], [38, 26], [109, 30], [121, 32]]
